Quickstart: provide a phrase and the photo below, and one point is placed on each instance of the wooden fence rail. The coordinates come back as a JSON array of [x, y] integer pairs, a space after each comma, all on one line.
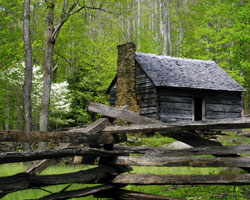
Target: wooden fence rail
[[114, 160]]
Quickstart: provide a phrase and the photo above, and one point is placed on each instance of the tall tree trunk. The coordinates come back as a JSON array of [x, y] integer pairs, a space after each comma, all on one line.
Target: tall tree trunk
[[18, 113], [121, 19], [92, 31], [163, 27], [169, 30], [139, 25], [179, 41], [28, 74], [47, 71], [128, 24], [134, 21], [7, 109], [156, 21]]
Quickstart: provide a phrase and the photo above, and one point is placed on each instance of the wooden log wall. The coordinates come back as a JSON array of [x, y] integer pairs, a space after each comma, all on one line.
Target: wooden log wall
[[223, 105], [176, 104], [146, 94]]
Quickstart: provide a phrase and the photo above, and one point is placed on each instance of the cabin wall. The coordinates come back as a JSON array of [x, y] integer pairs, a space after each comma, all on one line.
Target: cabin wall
[[223, 105], [177, 104], [146, 94], [174, 105]]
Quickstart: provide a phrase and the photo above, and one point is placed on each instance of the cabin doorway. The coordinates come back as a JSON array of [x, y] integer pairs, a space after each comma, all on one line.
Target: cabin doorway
[[198, 108]]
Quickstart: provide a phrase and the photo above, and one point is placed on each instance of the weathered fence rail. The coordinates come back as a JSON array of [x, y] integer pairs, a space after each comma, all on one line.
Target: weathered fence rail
[[114, 160]]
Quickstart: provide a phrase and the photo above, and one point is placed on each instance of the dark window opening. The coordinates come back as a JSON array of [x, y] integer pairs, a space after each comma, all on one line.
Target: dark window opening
[[198, 108]]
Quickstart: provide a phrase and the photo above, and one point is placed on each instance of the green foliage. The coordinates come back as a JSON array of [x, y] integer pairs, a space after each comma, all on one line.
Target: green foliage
[[220, 32], [85, 51], [92, 78], [11, 51]]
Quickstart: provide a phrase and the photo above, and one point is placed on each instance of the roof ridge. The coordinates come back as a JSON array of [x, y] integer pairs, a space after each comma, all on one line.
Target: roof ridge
[[175, 58]]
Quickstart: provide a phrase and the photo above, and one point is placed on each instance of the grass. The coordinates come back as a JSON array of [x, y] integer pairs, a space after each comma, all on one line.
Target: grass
[[155, 141], [206, 192]]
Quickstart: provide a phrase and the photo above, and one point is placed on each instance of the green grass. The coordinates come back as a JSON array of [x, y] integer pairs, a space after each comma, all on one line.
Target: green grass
[[156, 141]]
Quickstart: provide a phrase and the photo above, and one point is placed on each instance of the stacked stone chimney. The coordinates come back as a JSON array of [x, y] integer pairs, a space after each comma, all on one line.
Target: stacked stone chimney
[[126, 77]]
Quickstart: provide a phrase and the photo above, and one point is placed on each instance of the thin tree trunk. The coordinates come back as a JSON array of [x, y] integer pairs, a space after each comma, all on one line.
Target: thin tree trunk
[[92, 31], [28, 74], [139, 25], [134, 21], [47, 71], [128, 24], [121, 19], [180, 34], [18, 113], [7, 109], [156, 21], [169, 30], [163, 26]]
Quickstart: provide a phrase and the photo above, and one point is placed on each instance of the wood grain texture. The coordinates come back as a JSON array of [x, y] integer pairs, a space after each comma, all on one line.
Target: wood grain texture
[[183, 161], [159, 151], [153, 179]]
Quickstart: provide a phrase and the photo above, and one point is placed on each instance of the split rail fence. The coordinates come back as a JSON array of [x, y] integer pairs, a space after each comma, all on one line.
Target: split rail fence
[[102, 148]]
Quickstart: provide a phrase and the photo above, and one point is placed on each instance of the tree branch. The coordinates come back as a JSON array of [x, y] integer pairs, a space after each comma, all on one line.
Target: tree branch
[[65, 15], [64, 58]]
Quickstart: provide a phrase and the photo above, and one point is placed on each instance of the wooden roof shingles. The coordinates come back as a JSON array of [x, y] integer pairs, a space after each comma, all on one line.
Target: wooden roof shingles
[[166, 71]]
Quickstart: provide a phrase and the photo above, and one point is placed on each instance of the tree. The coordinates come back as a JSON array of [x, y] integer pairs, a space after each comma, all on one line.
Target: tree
[[52, 33], [28, 74]]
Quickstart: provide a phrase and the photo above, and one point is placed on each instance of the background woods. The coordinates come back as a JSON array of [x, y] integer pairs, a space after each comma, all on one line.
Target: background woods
[[85, 54]]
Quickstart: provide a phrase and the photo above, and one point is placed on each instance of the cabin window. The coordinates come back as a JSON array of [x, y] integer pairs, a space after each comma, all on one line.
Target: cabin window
[[198, 108]]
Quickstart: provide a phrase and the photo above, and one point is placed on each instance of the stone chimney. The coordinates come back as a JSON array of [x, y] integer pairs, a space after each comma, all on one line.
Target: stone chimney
[[126, 75]]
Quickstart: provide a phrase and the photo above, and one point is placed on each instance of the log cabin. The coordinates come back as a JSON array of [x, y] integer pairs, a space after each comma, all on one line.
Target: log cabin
[[174, 89]]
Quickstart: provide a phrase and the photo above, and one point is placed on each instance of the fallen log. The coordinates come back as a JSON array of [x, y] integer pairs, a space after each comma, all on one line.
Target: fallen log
[[153, 179], [128, 194]]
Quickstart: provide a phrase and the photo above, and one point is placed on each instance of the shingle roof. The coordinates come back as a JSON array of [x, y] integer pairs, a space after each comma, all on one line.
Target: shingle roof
[[168, 71]]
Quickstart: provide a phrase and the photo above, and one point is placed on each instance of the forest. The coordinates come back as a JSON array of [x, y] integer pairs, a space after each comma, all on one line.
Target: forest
[[74, 43]]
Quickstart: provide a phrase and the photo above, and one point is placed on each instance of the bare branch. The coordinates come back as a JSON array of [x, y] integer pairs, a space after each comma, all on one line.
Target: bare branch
[[64, 58], [65, 15]]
